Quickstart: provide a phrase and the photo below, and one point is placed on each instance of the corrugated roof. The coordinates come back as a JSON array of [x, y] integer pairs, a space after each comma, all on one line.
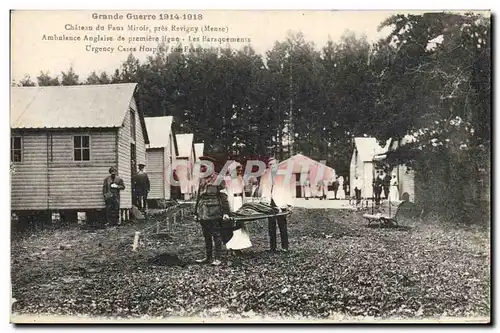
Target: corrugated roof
[[184, 144], [368, 148], [199, 149], [80, 106], [159, 129]]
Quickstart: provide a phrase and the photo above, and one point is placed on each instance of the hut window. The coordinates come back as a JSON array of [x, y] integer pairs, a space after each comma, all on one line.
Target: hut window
[[16, 149], [81, 147], [132, 125]]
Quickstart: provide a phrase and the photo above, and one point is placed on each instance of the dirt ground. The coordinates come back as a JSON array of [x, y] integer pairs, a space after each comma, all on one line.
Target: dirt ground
[[338, 267]]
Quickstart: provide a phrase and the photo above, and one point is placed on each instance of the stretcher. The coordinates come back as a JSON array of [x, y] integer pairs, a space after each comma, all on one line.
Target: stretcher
[[258, 216], [252, 211]]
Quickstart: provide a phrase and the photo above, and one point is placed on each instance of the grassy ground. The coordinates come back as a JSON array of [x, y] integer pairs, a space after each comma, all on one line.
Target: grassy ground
[[338, 267]]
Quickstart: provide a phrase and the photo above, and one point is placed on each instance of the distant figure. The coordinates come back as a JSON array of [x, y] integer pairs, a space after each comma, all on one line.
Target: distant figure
[[325, 188], [255, 186], [347, 187], [307, 189], [394, 192], [341, 192], [111, 193], [377, 187], [141, 188], [330, 194], [320, 192], [335, 187], [248, 184], [386, 185], [357, 189]]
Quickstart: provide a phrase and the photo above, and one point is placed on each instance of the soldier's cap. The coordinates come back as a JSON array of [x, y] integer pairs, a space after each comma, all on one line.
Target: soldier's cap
[[140, 164], [207, 158]]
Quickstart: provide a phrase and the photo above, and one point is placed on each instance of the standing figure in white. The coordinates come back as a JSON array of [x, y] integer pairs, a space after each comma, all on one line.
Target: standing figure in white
[[394, 191], [341, 191], [235, 186]]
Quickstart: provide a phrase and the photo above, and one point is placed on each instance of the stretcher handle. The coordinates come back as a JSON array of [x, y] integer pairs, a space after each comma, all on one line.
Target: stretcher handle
[[257, 217]]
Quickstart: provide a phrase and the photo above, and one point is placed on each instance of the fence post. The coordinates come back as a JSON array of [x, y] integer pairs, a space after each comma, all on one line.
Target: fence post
[[136, 241]]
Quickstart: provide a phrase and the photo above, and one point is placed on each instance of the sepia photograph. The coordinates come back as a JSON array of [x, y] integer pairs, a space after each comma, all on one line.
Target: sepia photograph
[[250, 166]]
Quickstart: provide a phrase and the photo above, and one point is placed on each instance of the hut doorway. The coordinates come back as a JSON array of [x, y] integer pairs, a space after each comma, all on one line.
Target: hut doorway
[[298, 186]]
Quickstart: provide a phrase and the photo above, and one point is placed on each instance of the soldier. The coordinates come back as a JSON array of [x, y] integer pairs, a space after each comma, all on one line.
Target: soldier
[[377, 187], [335, 187], [211, 209], [307, 189], [141, 187], [111, 193], [357, 189], [386, 182]]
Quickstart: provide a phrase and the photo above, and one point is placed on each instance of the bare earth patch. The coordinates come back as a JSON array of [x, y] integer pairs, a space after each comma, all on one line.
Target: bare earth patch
[[338, 269]]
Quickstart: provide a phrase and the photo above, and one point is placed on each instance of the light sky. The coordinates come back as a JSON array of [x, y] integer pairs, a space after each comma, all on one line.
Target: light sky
[[30, 54]]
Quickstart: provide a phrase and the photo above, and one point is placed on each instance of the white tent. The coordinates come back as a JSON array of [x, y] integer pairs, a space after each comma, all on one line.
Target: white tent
[[299, 168]]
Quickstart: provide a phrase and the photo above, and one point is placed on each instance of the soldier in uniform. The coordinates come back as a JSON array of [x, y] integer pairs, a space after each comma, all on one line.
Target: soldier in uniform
[[357, 189], [141, 187], [377, 187], [111, 193], [211, 209], [386, 183]]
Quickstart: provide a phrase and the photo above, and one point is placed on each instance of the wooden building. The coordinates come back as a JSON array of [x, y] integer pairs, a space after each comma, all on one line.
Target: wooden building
[[405, 176], [363, 165], [185, 160], [161, 153], [64, 139]]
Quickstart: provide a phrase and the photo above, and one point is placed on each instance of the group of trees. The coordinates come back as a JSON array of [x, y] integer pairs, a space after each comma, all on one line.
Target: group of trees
[[430, 77]]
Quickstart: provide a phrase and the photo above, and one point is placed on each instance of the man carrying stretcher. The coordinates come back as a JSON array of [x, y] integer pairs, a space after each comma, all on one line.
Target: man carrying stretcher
[[275, 189], [211, 211], [275, 204]]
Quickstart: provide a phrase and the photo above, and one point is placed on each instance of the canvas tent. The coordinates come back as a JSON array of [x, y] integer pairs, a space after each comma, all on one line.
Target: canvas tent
[[300, 168]]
